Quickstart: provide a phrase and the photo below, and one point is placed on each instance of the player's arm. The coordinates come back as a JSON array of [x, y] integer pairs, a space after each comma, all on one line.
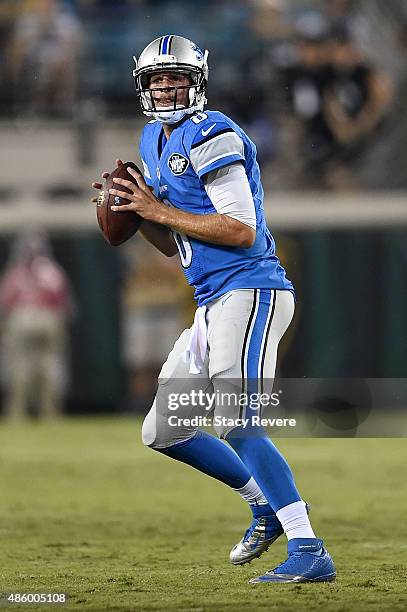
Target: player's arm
[[159, 236], [217, 228]]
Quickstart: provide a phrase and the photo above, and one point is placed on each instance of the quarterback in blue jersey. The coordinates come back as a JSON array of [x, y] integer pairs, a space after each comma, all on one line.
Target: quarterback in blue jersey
[[201, 145], [201, 197]]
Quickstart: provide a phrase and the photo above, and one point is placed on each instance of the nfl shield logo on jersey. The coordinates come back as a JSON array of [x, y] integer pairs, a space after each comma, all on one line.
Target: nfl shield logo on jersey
[[178, 163]]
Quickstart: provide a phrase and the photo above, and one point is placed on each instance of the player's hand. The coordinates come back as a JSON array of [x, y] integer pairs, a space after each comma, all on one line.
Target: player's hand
[[98, 185], [143, 201]]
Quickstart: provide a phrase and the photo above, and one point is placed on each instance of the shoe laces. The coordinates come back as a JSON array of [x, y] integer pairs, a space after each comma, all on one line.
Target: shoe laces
[[254, 524], [250, 530]]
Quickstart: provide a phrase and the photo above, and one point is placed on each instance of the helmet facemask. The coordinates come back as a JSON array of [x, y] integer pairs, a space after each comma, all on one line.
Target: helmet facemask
[[176, 111]]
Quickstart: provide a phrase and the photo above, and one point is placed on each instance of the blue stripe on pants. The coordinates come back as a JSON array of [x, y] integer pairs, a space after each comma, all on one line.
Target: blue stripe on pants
[[255, 342]]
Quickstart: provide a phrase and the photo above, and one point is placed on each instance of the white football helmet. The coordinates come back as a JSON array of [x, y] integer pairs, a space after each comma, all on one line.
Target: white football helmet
[[178, 54]]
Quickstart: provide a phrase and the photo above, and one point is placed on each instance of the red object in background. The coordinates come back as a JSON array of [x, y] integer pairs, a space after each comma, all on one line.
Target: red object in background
[[38, 282]]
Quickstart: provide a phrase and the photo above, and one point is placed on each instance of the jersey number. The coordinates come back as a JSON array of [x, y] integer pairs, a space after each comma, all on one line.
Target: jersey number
[[199, 117], [183, 244]]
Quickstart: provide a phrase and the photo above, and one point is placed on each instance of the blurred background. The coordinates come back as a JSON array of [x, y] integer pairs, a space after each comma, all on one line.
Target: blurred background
[[320, 86]]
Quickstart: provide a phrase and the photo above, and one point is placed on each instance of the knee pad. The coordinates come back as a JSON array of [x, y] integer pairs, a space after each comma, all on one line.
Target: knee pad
[[157, 433]]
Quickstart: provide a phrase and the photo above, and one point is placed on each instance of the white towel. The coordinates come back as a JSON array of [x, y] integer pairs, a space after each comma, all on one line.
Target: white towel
[[198, 342]]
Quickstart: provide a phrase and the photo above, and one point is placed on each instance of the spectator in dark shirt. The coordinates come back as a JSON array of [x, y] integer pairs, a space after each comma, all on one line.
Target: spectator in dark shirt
[[357, 100], [306, 83], [340, 100]]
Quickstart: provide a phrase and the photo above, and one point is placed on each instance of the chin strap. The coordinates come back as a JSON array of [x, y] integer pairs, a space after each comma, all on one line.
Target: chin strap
[[170, 117], [174, 116]]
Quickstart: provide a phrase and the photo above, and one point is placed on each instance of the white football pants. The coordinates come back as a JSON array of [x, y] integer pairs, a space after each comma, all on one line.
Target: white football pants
[[244, 327]]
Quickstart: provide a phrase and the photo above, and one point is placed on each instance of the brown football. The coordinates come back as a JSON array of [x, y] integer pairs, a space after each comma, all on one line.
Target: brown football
[[117, 227]]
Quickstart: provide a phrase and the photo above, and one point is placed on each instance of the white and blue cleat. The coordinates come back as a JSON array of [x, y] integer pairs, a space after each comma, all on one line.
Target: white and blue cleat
[[262, 532], [307, 561]]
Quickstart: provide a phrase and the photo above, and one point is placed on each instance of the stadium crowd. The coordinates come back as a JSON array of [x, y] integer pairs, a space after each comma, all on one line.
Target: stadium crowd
[[319, 85], [315, 83]]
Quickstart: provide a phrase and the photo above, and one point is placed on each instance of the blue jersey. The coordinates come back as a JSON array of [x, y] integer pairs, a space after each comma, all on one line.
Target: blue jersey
[[176, 167]]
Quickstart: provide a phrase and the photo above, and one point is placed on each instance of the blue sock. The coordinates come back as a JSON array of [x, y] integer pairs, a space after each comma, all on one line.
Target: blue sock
[[267, 466], [210, 455], [261, 510]]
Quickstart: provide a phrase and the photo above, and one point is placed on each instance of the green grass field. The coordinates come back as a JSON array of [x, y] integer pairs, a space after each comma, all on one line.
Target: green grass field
[[87, 510]]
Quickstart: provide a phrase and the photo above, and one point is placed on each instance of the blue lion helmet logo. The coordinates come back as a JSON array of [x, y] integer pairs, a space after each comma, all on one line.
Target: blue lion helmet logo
[[198, 52]]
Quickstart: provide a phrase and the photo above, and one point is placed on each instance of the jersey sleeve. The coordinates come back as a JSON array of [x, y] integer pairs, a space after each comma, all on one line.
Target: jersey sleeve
[[230, 193], [214, 147]]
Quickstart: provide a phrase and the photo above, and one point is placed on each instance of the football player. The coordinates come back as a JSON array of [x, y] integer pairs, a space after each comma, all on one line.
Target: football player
[[201, 196]]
